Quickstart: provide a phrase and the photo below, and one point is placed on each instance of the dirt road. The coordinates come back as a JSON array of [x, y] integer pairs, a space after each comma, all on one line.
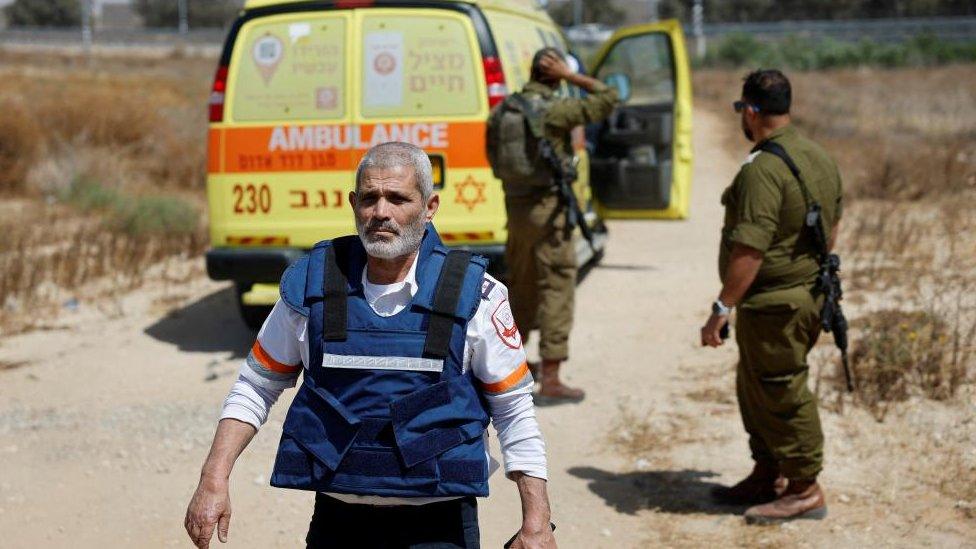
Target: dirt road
[[106, 416]]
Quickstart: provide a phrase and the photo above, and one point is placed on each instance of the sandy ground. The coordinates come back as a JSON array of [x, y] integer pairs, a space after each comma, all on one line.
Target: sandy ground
[[107, 414]]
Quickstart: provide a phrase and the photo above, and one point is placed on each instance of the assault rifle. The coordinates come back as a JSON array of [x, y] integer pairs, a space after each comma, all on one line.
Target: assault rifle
[[563, 176], [828, 281]]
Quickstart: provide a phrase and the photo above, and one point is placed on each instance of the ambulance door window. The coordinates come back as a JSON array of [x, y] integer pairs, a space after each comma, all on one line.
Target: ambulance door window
[[290, 68], [647, 61], [418, 65]]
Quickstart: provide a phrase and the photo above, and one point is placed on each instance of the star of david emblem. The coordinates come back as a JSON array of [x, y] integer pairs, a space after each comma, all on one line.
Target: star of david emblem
[[470, 193]]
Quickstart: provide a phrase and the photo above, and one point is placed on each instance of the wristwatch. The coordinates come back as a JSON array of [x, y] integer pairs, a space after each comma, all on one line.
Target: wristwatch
[[720, 309]]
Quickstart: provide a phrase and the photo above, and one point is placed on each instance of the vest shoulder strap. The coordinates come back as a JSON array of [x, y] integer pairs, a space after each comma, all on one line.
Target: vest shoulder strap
[[534, 111], [292, 288], [447, 293]]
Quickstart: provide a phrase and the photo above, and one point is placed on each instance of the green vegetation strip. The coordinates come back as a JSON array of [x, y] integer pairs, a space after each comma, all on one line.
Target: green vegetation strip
[[804, 53], [134, 216]]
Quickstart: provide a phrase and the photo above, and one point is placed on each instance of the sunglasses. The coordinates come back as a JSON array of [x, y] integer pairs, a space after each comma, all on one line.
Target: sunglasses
[[739, 106]]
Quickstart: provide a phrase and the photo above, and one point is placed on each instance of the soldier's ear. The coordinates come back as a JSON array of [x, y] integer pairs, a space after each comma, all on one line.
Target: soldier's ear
[[352, 199]]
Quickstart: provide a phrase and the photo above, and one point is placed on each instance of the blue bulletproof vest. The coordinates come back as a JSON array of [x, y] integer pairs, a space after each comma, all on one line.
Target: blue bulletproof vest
[[385, 407]]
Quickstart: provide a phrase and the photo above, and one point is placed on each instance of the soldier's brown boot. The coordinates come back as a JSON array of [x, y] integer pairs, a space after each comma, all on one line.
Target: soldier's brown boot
[[764, 484], [535, 368], [803, 499], [553, 391]]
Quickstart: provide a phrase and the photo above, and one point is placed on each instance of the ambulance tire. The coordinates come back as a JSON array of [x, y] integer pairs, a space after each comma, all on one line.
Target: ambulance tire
[[252, 315]]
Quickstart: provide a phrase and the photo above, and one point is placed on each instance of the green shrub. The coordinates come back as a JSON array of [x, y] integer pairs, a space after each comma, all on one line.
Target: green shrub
[[897, 354], [43, 13], [155, 215], [200, 13], [133, 216], [89, 196], [805, 53]]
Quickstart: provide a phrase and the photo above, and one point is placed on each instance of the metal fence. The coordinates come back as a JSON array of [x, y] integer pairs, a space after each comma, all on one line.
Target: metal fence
[[193, 41], [878, 30], [208, 41]]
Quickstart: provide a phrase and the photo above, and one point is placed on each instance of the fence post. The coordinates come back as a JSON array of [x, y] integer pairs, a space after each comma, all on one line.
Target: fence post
[[697, 21], [652, 11], [184, 24], [86, 25]]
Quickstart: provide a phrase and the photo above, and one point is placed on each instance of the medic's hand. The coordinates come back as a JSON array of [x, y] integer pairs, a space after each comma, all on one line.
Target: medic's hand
[[209, 507], [531, 538], [710, 332]]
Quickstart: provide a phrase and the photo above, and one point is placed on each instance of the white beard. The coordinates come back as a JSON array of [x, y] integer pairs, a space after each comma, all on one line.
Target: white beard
[[406, 241]]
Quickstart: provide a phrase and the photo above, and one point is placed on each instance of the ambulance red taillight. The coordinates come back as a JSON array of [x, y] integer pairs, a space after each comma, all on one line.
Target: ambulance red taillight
[[495, 81], [217, 94]]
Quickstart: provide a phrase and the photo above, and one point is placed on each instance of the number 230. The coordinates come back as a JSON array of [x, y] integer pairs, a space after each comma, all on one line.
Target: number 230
[[251, 199]]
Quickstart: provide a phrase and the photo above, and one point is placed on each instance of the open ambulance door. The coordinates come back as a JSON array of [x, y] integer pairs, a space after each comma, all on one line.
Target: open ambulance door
[[640, 167]]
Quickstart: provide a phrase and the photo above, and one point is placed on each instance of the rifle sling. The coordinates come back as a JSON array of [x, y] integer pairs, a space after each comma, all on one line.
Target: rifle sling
[[776, 149]]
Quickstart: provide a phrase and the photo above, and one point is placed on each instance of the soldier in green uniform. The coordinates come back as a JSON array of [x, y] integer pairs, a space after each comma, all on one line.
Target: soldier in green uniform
[[540, 254], [768, 264]]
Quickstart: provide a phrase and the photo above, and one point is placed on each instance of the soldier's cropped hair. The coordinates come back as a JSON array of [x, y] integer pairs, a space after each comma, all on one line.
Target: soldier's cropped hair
[[396, 154], [538, 57], [768, 89]]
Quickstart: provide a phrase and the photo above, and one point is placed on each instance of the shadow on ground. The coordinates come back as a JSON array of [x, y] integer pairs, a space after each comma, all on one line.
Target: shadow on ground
[[209, 325], [682, 492]]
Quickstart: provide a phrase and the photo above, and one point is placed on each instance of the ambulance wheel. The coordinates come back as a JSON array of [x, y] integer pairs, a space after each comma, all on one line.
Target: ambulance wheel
[[252, 315]]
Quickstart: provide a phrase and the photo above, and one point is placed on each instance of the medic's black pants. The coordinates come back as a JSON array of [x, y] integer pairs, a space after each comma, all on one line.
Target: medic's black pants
[[443, 525]]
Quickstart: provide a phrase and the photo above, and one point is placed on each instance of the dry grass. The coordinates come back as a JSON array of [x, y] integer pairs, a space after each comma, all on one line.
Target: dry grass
[[102, 162], [713, 395], [147, 114], [651, 437], [900, 354], [20, 144], [49, 267], [897, 134], [958, 479]]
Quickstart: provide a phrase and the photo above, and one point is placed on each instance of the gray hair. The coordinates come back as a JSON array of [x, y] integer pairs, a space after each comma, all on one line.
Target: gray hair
[[396, 154]]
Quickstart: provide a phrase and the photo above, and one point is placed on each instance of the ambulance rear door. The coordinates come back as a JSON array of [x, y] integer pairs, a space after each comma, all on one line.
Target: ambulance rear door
[[641, 162], [288, 145]]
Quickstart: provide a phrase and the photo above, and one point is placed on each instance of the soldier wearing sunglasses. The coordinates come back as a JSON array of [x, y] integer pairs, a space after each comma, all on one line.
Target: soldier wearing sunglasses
[[768, 264]]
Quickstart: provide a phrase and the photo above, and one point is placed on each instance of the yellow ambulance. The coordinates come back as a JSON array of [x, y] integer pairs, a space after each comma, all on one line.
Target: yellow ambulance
[[303, 88]]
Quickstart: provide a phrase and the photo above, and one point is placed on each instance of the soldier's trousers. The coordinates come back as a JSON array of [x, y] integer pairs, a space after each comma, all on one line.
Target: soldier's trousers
[[541, 261], [775, 331]]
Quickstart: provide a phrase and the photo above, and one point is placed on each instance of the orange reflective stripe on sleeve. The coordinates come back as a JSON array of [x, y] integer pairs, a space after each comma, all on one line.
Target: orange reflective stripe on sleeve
[[512, 380], [265, 359]]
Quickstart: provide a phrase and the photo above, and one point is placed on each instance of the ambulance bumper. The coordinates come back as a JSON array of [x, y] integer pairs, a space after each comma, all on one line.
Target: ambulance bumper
[[250, 265]]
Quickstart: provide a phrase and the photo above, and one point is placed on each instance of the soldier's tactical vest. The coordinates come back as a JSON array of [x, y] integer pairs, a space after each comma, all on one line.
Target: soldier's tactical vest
[[385, 408], [512, 137]]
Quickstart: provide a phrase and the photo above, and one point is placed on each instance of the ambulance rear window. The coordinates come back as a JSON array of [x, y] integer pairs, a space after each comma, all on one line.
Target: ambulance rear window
[[418, 65], [290, 68]]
